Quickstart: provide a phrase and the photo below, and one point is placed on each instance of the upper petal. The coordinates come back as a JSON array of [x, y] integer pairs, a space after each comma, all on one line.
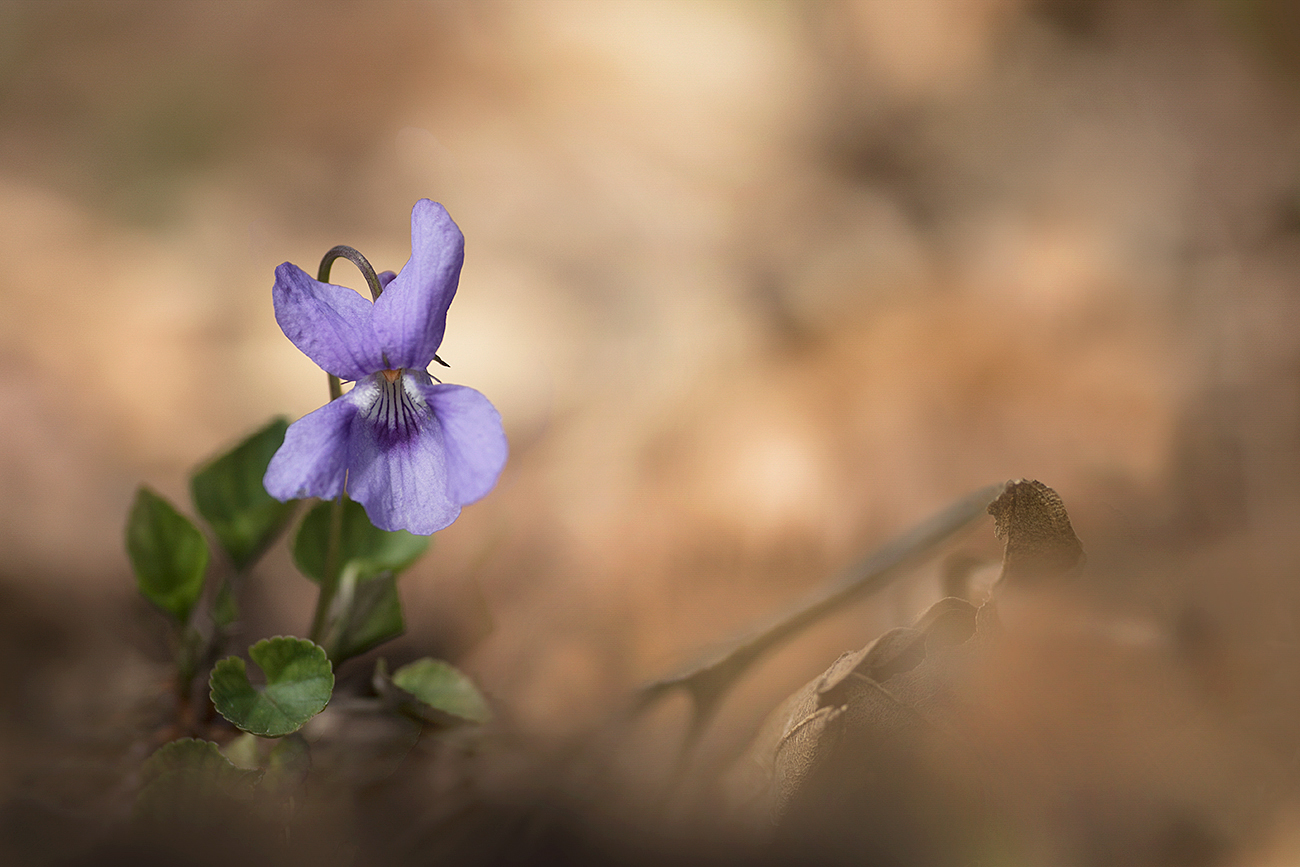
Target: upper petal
[[402, 482], [473, 437], [313, 459], [411, 315], [330, 324]]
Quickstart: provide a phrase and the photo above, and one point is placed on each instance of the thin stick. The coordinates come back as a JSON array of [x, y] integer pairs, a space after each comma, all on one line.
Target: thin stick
[[708, 682]]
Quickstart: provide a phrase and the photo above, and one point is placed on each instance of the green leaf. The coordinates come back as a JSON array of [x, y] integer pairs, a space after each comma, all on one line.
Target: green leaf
[[228, 493], [168, 553], [287, 766], [245, 751], [374, 615], [283, 763], [189, 780], [433, 690], [299, 680], [202, 758], [225, 610], [359, 540]]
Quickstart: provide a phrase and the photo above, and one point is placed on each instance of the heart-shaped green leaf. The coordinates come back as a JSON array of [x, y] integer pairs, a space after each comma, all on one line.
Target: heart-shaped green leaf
[[191, 756], [299, 680], [168, 554], [190, 781], [228, 493], [359, 540], [433, 690]]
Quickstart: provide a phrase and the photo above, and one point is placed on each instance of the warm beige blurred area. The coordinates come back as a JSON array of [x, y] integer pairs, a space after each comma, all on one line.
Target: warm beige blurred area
[[754, 285]]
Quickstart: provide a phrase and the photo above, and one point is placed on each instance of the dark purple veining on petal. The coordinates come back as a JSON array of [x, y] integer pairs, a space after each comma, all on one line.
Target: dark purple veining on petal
[[396, 414]]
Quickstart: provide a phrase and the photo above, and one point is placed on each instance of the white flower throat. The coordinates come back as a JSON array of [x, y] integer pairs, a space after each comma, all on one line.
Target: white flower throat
[[392, 401]]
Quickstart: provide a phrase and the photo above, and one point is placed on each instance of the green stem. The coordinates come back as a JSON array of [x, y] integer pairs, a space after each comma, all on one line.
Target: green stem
[[329, 582], [191, 654]]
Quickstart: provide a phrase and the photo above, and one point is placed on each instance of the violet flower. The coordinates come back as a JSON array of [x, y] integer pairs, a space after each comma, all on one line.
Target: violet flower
[[411, 452]]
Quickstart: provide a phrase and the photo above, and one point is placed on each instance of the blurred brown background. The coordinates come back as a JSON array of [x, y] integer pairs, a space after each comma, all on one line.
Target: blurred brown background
[[754, 286]]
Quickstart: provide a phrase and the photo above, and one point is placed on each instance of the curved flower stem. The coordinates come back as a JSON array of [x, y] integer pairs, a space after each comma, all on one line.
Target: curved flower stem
[[342, 251], [329, 581]]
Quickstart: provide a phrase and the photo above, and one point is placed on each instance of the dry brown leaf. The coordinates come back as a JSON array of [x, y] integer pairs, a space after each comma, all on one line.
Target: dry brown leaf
[[1040, 542], [871, 754]]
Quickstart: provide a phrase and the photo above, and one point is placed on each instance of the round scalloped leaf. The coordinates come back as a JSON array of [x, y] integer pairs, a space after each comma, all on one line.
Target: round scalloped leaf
[[188, 755], [190, 781], [443, 688], [299, 680]]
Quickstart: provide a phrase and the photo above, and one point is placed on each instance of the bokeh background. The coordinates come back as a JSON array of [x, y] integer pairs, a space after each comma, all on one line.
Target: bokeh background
[[754, 285]]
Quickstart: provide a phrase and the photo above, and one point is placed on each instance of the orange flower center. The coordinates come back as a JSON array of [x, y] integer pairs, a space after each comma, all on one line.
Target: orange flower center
[[392, 375]]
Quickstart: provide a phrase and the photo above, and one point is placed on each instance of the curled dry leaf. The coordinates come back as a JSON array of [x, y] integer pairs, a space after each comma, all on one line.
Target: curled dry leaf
[[1040, 542], [871, 754]]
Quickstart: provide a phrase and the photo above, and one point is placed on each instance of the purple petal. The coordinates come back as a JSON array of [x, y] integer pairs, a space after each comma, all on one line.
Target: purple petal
[[330, 324], [402, 483], [314, 457], [385, 277], [473, 437], [411, 315]]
